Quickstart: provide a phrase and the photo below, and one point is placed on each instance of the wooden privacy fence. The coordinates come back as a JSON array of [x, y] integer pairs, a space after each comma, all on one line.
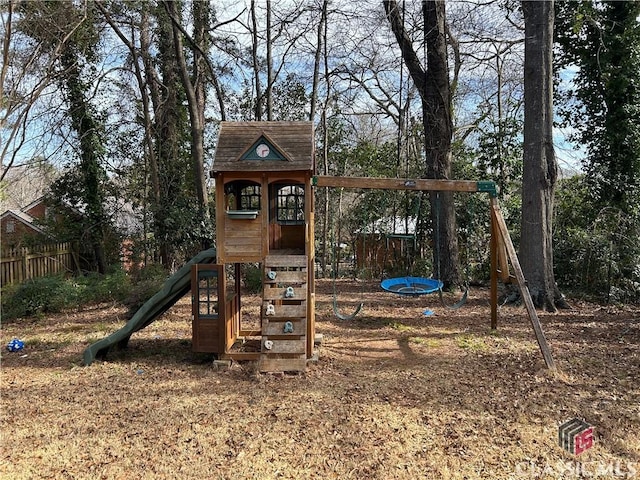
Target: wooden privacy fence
[[20, 264]]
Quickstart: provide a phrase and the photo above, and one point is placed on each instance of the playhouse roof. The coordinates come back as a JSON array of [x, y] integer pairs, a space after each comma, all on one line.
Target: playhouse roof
[[264, 146]]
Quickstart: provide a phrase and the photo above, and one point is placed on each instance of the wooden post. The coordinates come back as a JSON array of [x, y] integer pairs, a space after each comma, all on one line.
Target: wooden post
[[503, 261], [493, 293], [496, 216], [237, 322], [26, 271]]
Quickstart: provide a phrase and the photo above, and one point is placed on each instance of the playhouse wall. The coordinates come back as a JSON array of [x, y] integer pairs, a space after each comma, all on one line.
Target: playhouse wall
[[207, 326], [232, 321], [207, 336], [242, 240], [286, 236]]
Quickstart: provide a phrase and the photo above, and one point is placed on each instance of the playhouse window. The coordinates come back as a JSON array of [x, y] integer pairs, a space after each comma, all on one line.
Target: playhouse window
[[250, 197], [242, 196], [290, 204]]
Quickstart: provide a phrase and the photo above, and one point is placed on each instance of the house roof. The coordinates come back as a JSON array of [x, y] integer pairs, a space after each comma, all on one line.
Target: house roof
[[241, 147], [23, 218], [125, 217], [33, 204]]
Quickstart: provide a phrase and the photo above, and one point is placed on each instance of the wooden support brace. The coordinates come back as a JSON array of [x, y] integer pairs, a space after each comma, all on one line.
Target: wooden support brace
[[497, 217], [503, 261]]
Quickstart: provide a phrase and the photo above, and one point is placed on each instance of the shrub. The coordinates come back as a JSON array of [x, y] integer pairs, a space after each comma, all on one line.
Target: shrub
[[147, 282], [153, 271], [252, 277], [95, 288], [55, 293], [41, 295], [112, 287], [596, 250]]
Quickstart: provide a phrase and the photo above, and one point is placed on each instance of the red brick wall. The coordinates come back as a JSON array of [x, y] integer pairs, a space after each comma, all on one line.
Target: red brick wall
[[15, 238], [37, 211]]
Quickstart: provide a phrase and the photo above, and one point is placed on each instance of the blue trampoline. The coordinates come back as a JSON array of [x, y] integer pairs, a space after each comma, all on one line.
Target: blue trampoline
[[411, 285]]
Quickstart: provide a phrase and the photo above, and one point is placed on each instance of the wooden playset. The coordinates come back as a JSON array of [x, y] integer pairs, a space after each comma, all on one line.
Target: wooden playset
[[264, 215], [264, 174]]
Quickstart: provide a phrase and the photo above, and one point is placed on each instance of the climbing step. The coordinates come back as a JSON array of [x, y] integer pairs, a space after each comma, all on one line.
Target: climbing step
[[284, 314]]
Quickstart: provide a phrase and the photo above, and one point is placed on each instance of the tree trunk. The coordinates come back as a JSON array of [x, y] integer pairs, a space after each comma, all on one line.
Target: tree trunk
[[153, 94], [321, 41], [202, 20], [194, 89], [167, 133], [270, 79], [148, 83], [150, 96], [256, 61], [438, 128], [83, 121], [326, 217], [433, 85], [540, 169]]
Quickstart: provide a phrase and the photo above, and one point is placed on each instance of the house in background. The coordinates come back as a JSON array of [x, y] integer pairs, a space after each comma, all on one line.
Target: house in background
[[29, 225], [20, 226], [27, 250]]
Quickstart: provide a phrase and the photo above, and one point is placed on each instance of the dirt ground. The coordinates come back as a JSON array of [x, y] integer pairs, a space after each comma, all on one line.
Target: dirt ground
[[395, 393]]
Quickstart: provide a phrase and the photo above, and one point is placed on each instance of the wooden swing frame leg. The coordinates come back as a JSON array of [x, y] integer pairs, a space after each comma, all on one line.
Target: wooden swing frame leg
[[500, 241]]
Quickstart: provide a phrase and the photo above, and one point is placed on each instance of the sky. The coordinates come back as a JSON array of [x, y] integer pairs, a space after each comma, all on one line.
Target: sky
[[569, 156]]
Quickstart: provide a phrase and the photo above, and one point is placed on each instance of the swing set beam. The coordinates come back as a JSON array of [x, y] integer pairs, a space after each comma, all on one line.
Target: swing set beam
[[501, 246], [382, 183]]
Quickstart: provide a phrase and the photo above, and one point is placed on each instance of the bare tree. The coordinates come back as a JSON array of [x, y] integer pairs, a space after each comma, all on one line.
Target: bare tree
[[193, 83], [321, 40], [255, 60], [29, 70]]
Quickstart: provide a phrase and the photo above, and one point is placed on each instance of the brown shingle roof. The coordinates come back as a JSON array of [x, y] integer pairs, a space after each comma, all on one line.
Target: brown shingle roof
[[293, 140]]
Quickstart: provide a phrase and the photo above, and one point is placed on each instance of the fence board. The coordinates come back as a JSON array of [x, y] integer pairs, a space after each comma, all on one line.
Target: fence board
[[20, 264]]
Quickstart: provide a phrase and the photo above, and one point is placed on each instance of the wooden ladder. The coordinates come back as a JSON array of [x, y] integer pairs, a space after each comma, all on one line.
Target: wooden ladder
[[284, 314]]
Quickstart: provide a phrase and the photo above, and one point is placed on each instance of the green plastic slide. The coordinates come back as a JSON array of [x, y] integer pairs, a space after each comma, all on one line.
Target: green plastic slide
[[176, 286]]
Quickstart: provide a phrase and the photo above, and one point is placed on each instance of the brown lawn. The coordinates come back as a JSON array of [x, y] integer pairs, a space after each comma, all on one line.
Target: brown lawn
[[394, 394]]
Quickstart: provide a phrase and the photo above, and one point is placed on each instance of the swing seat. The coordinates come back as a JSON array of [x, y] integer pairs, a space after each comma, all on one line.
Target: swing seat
[[411, 285], [345, 316]]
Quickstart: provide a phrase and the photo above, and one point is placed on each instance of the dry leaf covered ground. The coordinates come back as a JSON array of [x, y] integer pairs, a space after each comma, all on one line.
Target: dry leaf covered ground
[[394, 394]]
